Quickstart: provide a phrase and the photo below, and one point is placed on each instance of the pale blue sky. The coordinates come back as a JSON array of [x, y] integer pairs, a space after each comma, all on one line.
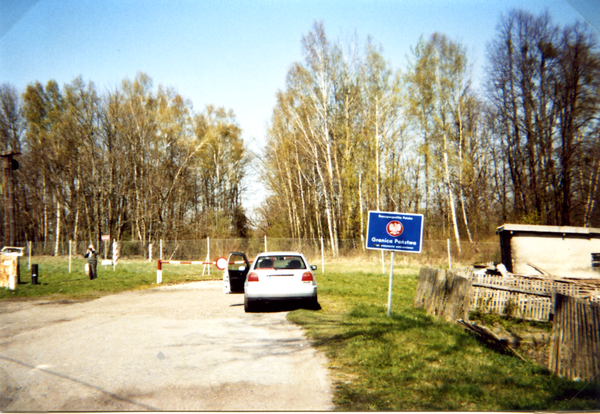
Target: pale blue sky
[[227, 53], [231, 53]]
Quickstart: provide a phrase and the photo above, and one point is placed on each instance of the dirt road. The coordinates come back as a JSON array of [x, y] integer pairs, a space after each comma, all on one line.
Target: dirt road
[[180, 347]]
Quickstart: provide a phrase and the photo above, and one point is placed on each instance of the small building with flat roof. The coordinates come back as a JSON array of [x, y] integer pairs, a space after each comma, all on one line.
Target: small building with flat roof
[[559, 250]]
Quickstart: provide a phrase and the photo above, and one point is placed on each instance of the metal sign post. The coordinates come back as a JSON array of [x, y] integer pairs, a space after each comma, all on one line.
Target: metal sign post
[[391, 284], [396, 232], [115, 255]]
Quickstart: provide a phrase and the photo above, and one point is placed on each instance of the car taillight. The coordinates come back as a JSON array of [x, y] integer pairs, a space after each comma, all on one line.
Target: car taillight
[[252, 277], [307, 277]]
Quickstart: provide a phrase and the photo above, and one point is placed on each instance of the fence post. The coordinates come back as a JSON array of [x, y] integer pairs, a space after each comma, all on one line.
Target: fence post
[[159, 272], [115, 254]]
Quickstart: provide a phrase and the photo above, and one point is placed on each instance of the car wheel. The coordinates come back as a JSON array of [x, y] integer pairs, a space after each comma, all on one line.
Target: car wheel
[[313, 304], [249, 306]]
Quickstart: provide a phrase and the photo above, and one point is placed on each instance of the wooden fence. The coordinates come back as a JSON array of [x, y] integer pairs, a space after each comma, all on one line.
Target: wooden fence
[[575, 349], [527, 297], [576, 320], [442, 293]]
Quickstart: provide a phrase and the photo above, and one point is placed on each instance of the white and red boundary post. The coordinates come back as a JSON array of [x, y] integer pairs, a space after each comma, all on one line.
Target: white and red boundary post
[[159, 272], [221, 263]]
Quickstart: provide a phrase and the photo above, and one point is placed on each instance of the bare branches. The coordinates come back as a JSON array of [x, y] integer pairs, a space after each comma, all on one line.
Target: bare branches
[[132, 163]]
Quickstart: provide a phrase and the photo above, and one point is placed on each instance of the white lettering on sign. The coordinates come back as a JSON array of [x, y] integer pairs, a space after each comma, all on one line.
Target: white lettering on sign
[[376, 240], [409, 242], [395, 217]]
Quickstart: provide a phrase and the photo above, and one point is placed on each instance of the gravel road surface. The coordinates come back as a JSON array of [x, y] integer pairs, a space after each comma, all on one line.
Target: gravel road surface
[[178, 347]]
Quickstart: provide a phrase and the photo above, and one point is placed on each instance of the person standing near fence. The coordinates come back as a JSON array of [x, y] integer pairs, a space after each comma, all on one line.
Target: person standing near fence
[[92, 258]]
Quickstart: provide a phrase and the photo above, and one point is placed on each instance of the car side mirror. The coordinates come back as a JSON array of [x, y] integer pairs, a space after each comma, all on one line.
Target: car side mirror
[[313, 267], [242, 268]]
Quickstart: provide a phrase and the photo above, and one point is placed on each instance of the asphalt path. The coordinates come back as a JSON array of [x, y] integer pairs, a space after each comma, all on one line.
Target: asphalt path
[[179, 347]]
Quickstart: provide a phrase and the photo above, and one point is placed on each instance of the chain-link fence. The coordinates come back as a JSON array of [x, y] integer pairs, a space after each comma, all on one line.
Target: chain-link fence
[[433, 251]]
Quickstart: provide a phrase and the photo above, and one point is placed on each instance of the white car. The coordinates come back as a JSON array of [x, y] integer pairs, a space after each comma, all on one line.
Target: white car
[[280, 276]]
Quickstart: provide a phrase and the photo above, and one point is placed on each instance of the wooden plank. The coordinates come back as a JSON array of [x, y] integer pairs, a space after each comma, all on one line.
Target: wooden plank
[[495, 300], [590, 365], [439, 293], [594, 350], [510, 289], [488, 335], [424, 286], [596, 340], [457, 297], [567, 343], [554, 364], [576, 331], [592, 357], [565, 337], [572, 345], [579, 368]]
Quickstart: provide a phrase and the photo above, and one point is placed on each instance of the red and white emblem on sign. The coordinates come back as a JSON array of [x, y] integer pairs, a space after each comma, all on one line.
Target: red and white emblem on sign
[[394, 228]]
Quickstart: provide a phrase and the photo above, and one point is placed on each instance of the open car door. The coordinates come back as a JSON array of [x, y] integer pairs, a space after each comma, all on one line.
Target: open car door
[[234, 275]]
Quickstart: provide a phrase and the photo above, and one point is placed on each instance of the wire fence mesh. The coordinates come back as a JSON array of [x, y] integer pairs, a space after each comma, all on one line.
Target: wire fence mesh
[[434, 252]]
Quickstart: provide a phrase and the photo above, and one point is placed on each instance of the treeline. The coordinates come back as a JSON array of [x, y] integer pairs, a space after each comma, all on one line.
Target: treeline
[[132, 163], [350, 134]]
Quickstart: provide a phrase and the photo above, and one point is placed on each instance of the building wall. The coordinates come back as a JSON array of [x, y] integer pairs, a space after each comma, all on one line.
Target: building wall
[[568, 255]]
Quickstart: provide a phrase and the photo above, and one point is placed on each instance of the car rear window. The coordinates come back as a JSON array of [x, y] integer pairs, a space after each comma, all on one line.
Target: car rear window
[[280, 262]]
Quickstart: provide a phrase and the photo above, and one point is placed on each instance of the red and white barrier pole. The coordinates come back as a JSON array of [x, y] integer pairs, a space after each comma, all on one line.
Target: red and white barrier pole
[[221, 264]]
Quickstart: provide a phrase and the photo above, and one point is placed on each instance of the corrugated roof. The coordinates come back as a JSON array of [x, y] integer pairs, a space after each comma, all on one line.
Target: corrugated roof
[[547, 229]]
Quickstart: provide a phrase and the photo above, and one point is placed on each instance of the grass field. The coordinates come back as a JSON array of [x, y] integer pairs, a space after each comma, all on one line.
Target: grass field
[[415, 362], [407, 362], [55, 281]]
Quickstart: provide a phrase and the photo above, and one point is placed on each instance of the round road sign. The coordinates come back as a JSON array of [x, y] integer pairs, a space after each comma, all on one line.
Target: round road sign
[[221, 263]]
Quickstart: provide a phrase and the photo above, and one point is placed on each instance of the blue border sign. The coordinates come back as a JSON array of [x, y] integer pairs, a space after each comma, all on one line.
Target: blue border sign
[[398, 232]]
